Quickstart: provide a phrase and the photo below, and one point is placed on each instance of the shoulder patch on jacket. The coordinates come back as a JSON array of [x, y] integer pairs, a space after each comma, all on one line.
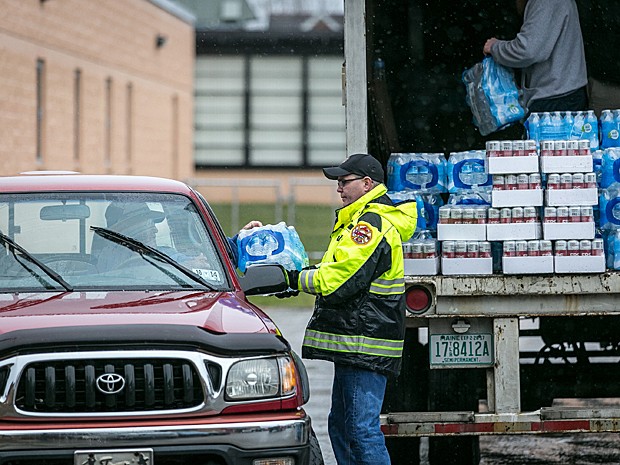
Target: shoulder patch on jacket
[[361, 234]]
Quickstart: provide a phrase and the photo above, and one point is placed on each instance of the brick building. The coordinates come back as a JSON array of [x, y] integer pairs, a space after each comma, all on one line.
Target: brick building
[[97, 87]]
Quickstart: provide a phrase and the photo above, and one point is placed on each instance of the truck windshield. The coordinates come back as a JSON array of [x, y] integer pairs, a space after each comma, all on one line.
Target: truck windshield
[[51, 239]]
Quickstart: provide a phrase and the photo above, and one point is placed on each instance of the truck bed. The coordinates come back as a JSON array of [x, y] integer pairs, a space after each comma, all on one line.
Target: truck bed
[[522, 295]]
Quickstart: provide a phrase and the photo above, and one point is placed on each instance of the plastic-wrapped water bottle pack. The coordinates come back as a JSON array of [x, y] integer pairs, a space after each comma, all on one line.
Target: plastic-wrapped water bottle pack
[[271, 244], [610, 128], [492, 96], [564, 125], [466, 172], [419, 172]]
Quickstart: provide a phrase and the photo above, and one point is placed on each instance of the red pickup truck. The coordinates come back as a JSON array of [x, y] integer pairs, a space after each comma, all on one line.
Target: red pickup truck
[[126, 336]]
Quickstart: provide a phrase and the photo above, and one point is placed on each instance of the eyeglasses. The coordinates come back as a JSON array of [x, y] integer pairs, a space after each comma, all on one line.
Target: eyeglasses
[[344, 182]]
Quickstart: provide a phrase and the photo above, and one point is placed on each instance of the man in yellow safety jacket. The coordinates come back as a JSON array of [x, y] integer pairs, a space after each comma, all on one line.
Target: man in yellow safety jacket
[[359, 315]]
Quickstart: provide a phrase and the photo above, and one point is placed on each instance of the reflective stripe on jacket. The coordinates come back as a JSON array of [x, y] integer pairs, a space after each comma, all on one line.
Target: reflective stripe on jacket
[[359, 312]]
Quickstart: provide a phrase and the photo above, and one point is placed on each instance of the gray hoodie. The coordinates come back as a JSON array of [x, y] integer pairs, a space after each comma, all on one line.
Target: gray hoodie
[[549, 50]]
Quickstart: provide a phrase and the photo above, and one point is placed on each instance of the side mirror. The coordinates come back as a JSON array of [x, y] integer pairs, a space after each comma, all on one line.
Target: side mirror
[[263, 279]]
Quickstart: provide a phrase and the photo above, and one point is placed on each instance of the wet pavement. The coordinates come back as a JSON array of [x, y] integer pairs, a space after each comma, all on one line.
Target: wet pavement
[[573, 449]]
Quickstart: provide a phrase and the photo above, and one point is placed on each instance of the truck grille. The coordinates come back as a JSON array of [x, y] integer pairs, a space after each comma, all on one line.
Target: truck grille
[[135, 385]]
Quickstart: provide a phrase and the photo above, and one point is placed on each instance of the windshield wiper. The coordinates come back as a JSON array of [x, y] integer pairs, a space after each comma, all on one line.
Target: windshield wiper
[[13, 246], [142, 249]]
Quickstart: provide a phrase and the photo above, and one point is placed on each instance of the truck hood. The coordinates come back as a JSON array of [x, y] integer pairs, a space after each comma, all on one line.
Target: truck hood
[[215, 311]]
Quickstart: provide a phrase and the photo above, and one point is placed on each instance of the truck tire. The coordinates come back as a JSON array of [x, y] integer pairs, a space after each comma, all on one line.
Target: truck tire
[[453, 390], [315, 457]]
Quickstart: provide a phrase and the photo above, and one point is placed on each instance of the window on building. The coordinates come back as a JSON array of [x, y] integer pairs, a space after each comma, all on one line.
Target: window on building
[[220, 110], [174, 149], [275, 111], [268, 111], [40, 83], [107, 149], [129, 126], [326, 114], [77, 113]]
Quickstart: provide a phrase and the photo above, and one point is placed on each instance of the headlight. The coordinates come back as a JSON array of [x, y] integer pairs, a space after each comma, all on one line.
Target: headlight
[[261, 378]]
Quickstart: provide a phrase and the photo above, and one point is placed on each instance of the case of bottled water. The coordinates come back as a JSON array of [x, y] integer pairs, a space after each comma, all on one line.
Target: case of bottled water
[[610, 128], [492, 95], [564, 125], [271, 244], [420, 172], [467, 171]]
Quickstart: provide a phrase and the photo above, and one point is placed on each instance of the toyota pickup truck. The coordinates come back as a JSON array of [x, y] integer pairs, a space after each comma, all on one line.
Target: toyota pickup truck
[[126, 336]]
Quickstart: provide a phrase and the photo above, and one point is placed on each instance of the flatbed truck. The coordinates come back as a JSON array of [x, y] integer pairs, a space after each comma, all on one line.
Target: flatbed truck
[[484, 355]]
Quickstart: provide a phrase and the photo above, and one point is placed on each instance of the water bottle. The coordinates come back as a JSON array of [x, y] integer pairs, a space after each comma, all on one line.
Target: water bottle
[[545, 127], [579, 121], [533, 129], [608, 241], [597, 161], [394, 166], [442, 173], [616, 249], [466, 174], [590, 130], [569, 120], [557, 125], [480, 176]]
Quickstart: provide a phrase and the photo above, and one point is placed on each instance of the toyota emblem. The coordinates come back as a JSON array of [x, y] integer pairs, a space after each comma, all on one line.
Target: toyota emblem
[[110, 383]]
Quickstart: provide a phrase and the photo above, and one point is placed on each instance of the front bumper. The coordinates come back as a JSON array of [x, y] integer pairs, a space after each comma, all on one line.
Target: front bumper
[[232, 443]]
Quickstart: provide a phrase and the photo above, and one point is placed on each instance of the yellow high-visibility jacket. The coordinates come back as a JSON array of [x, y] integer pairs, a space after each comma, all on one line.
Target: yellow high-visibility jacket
[[359, 313]]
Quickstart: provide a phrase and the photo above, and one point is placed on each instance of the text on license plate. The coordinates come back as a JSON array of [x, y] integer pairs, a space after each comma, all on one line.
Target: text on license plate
[[113, 457], [461, 349]]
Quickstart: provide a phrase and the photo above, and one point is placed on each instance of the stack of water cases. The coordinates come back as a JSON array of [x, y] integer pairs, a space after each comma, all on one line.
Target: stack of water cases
[[609, 195], [566, 142], [568, 219], [420, 178], [516, 199], [463, 220]]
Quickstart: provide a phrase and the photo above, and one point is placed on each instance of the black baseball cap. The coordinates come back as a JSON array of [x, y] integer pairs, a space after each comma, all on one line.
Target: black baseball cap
[[361, 164]]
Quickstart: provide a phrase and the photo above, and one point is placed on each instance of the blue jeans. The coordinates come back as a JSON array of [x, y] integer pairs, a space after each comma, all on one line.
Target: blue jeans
[[353, 424]]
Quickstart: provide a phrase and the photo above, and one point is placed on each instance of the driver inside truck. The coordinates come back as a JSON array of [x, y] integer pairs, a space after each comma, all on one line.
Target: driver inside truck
[[137, 221], [134, 220]]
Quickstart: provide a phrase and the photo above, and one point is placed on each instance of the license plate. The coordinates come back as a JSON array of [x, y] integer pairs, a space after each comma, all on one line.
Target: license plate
[[113, 457], [471, 350]]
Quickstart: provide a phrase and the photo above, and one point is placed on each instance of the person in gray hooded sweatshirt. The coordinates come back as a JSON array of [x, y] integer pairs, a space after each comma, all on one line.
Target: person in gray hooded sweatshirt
[[550, 53]]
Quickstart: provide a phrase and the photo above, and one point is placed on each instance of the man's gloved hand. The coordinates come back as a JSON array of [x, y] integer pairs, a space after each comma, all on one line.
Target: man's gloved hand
[[292, 279], [292, 276], [286, 294]]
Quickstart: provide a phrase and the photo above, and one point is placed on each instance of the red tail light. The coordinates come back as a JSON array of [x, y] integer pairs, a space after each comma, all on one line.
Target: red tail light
[[418, 299]]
